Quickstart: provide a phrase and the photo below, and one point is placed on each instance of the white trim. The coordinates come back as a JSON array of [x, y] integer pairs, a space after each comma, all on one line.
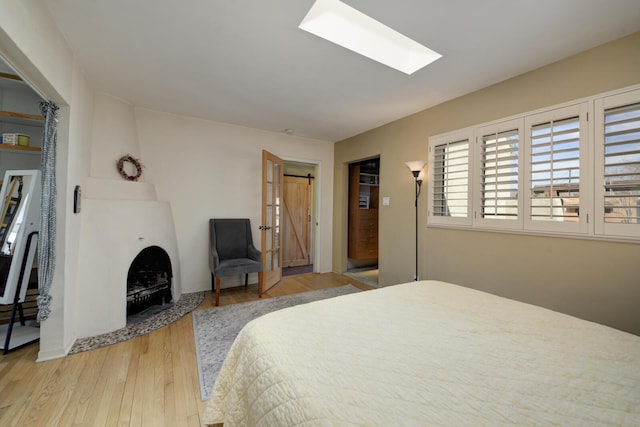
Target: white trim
[[618, 239]]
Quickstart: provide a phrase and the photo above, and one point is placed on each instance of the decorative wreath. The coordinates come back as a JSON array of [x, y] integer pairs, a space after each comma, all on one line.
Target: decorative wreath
[[135, 162]]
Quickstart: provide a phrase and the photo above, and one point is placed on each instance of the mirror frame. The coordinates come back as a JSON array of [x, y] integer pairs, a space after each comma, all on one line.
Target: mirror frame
[[30, 223]]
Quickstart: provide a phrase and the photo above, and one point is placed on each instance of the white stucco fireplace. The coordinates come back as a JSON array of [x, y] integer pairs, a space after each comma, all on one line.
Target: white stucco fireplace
[[119, 219], [114, 230]]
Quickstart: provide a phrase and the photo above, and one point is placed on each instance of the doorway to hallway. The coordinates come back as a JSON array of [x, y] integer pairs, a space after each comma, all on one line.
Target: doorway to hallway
[[298, 217]]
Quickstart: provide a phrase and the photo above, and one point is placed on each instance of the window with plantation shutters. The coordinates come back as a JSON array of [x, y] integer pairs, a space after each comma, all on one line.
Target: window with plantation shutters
[[618, 134], [500, 171], [570, 170], [450, 183]]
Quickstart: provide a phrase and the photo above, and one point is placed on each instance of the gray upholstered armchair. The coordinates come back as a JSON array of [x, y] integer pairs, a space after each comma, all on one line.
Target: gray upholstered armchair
[[231, 252]]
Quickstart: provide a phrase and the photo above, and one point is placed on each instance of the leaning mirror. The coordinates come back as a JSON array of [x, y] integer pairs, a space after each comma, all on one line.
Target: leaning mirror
[[19, 223]]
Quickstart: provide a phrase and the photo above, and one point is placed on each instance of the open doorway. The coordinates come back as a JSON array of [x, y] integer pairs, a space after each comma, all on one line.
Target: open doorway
[[21, 129], [298, 217], [364, 181]]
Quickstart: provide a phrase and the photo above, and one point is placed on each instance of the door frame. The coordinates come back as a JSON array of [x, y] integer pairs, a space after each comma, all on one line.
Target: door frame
[[344, 214]]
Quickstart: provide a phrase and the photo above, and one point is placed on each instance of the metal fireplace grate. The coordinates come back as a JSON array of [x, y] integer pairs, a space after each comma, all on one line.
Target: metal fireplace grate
[[149, 280]]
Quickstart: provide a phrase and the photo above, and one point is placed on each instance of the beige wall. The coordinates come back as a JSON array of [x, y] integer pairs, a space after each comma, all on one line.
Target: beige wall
[[595, 280]]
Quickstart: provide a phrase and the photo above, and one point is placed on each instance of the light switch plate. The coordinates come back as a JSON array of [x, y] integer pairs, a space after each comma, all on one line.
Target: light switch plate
[[386, 201]]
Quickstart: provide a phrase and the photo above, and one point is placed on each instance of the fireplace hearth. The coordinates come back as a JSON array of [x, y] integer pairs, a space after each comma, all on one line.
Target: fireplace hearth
[[149, 280]]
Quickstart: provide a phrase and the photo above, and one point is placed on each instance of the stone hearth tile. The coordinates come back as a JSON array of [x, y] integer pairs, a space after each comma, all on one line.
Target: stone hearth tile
[[185, 305]]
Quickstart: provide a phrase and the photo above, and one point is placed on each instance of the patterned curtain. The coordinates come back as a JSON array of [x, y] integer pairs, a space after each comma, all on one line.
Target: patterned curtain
[[47, 235]]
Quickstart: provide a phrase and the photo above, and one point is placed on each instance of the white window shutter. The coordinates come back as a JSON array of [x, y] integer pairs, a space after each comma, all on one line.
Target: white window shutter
[[450, 179], [499, 179], [556, 165], [618, 165]]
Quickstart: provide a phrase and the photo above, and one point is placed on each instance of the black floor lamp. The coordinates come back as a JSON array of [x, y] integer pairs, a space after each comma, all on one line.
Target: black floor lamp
[[416, 167]]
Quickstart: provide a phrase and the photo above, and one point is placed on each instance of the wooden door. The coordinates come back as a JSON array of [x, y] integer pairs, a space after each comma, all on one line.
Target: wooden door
[[272, 174], [296, 220]]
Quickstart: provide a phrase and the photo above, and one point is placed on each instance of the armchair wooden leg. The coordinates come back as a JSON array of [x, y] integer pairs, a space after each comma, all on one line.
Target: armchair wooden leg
[[217, 291], [259, 284]]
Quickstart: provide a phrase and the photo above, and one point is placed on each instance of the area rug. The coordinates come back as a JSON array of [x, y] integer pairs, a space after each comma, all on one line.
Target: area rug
[[216, 328], [186, 304]]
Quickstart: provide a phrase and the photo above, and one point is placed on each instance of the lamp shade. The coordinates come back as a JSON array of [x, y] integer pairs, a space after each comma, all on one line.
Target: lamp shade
[[416, 166], [422, 174]]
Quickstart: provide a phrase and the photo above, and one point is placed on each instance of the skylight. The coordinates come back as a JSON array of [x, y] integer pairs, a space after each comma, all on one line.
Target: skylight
[[345, 26]]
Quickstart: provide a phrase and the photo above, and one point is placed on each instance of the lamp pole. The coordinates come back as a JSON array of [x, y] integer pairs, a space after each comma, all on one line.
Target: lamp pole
[[418, 185], [416, 168]]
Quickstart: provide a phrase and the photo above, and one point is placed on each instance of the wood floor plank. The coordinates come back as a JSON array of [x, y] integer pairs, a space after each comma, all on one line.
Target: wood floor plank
[[137, 400], [112, 407], [153, 411], [179, 378], [126, 402], [48, 396], [27, 392], [108, 386], [13, 374], [169, 404], [84, 392], [188, 358], [148, 380]]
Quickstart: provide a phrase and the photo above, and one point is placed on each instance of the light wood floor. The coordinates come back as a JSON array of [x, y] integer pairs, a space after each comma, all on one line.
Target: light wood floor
[[147, 381]]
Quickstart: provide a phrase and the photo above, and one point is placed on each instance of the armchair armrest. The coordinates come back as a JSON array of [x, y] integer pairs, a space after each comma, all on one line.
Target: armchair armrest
[[214, 259], [254, 253]]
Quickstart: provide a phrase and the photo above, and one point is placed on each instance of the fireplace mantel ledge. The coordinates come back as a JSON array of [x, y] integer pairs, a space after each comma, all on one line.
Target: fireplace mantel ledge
[[111, 189]]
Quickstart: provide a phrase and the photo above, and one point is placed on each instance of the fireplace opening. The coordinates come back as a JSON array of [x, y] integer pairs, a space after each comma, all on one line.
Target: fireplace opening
[[149, 281]]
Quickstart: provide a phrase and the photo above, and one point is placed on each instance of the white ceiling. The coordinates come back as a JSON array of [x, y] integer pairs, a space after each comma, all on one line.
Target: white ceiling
[[246, 62]]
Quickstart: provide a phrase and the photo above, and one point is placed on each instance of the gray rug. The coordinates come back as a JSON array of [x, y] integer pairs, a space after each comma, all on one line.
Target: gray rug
[[216, 328]]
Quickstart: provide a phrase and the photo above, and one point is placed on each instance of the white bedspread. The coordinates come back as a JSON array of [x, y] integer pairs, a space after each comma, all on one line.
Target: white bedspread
[[427, 353]]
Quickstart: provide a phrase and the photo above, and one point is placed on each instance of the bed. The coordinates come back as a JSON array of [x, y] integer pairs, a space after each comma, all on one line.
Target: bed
[[426, 353]]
